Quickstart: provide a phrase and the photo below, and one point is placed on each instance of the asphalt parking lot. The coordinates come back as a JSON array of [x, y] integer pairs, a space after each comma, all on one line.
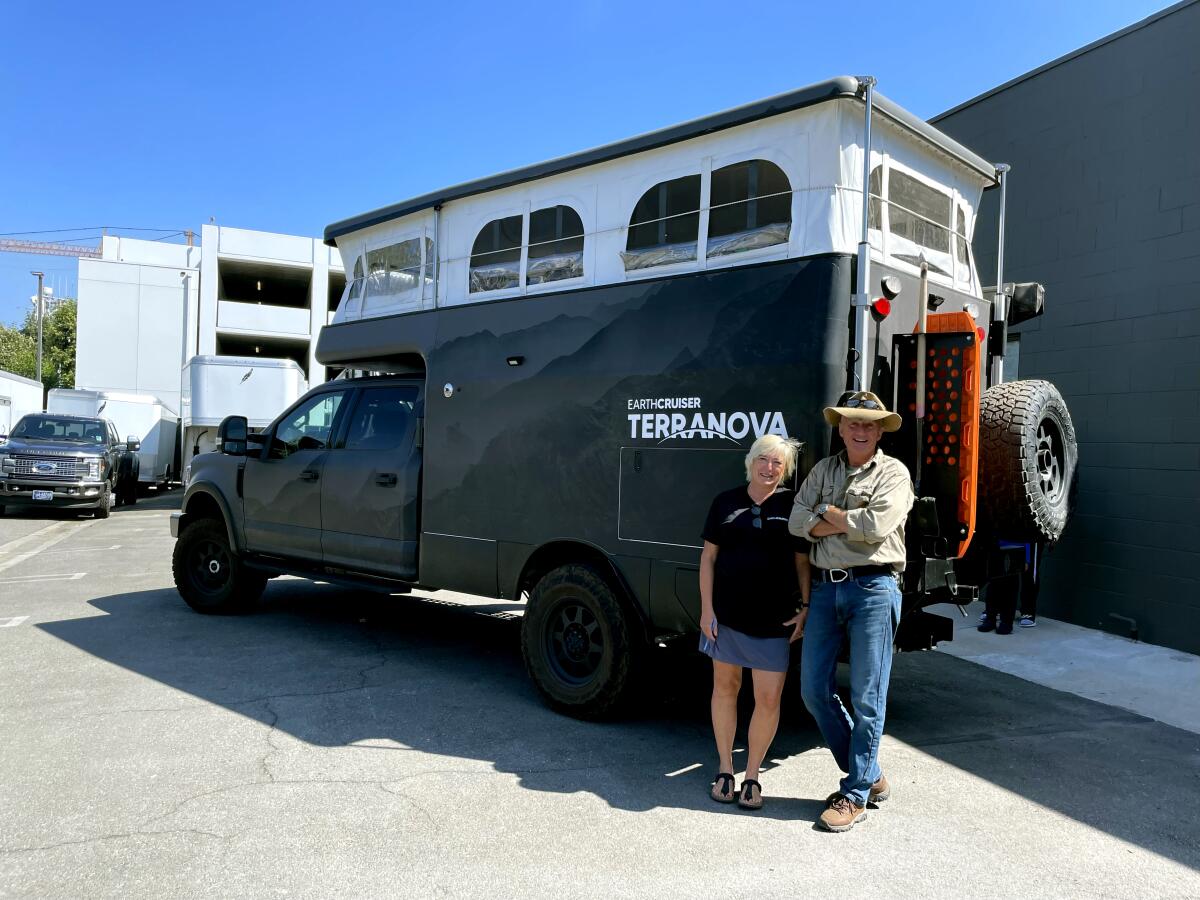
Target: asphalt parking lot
[[338, 744]]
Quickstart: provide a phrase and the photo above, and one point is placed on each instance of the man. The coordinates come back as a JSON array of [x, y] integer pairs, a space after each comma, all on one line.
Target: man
[[852, 508]]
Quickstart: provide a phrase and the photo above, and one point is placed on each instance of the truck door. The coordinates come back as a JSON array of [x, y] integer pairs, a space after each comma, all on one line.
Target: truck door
[[371, 483], [282, 488]]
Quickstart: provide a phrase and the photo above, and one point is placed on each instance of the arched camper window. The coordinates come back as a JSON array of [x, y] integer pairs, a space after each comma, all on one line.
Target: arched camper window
[[496, 256], [664, 225], [555, 245], [394, 269], [751, 207]]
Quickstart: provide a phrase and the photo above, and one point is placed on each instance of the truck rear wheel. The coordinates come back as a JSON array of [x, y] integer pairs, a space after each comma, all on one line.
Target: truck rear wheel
[[208, 575], [1028, 456], [576, 642]]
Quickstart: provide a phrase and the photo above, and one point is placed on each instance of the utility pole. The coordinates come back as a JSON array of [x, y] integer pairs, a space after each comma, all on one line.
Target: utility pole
[[40, 276]]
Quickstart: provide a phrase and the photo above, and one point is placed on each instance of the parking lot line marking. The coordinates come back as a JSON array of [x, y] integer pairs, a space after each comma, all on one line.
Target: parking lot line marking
[[21, 557], [83, 549], [15, 544], [12, 621], [25, 579], [693, 767]]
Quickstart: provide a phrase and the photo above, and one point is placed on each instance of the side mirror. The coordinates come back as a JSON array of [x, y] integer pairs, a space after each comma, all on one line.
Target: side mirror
[[231, 435], [1028, 301], [133, 442]]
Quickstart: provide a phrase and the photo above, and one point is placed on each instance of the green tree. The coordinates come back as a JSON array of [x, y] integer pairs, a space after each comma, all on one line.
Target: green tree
[[18, 347]]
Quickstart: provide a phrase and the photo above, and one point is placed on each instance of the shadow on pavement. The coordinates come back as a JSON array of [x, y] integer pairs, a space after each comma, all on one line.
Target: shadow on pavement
[[332, 667]]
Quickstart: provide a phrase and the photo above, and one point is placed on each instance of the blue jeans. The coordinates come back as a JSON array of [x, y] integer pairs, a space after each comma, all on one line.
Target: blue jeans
[[867, 611]]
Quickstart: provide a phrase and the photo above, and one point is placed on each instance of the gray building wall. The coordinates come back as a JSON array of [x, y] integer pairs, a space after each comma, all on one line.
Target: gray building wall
[[1104, 209]]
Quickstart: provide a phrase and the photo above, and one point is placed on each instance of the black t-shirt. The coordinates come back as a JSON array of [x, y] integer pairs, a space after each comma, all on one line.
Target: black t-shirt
[[755, 579]]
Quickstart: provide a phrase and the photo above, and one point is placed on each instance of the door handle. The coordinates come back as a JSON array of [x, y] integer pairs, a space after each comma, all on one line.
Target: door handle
[[385, 479], [309, 475]]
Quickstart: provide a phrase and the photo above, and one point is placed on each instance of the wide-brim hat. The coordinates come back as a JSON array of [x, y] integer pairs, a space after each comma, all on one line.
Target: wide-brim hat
[[863, 406]]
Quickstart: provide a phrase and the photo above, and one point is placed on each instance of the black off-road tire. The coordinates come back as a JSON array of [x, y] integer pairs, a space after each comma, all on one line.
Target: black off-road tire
[[208, 574], [106, 502], [578, 644], [1027, 461]]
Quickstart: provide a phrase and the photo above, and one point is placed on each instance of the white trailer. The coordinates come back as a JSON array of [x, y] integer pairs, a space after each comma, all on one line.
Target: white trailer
[[18, 396], [218, 386], [140, 416]]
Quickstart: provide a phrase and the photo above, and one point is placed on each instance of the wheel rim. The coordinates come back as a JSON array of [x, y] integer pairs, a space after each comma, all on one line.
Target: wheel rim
[[1051, 463], [574, 641], [210, 566]]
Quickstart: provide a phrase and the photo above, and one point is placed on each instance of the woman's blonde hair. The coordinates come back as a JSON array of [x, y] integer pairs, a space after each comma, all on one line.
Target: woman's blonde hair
[[774, 445]]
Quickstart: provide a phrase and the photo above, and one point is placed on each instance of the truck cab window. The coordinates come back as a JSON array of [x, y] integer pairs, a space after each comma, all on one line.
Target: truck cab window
[[750, 207], [307, 427], [555, 245], [496, 256], [382, 418], [664, 225]]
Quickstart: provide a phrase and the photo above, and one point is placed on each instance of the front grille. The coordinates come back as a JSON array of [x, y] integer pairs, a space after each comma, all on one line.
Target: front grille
[[28, 467]]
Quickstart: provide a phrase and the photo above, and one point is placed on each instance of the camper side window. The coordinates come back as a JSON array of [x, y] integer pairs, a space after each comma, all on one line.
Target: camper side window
[[394, 269], [496, 256], [750, 207], [555, 245], [875, 205], [665, 225], [960, 230], [918, 212], [356, 286], [307, 427]]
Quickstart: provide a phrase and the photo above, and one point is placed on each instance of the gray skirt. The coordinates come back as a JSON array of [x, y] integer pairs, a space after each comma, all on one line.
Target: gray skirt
[[738, 649]]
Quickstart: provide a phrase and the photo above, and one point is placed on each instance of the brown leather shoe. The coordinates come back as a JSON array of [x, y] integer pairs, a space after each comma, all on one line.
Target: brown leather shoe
[[841, 814]]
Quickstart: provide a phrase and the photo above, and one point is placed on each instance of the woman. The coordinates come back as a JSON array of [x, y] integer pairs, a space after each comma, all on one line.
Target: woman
[[750, 570]]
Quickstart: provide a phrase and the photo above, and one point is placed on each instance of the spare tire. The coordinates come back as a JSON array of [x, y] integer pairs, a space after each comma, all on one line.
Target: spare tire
[[1027, 461]]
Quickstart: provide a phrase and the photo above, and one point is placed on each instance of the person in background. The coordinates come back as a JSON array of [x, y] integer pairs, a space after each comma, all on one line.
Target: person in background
[[753, 575], [1004, 595], [852, 507]]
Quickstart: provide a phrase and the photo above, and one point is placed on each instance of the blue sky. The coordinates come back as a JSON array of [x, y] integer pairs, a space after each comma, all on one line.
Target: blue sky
[[288, 116]]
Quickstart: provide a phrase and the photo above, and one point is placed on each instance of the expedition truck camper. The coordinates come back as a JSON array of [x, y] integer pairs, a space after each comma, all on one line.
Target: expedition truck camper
[[587, 348], [18, 395]]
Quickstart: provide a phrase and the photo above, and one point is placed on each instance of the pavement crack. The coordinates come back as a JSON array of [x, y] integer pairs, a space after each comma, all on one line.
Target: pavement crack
[[119, 836]]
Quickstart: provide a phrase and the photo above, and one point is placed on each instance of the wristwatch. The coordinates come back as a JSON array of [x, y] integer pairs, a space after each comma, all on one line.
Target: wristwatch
[[821, 509]]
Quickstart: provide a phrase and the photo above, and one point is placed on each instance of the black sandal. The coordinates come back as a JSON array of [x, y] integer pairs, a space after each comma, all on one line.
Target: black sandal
[[746, 800], [724, 793]]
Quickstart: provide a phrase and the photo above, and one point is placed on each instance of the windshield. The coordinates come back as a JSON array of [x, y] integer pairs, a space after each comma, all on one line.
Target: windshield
[[50, 428]]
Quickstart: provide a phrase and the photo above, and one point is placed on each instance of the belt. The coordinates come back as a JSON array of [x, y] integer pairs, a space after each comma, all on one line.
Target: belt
[[836, 576]]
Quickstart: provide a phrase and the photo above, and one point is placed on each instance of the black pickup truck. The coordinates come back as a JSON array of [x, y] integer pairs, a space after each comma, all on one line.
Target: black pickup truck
[[76, 462]]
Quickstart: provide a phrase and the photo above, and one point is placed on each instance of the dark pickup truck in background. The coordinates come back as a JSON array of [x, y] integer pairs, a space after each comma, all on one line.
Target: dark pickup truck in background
[[76, 462]]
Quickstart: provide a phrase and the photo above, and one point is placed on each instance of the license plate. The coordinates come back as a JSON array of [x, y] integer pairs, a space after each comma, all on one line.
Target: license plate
[[43, 495]]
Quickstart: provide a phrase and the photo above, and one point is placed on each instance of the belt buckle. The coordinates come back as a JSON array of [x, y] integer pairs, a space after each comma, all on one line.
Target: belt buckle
[[832, 575]]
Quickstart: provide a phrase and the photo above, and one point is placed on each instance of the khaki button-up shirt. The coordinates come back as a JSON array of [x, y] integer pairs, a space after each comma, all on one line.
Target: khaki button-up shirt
[[876, 496]]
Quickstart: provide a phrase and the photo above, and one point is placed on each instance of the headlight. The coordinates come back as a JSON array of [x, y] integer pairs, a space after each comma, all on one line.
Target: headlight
[[93, 469], [6, 464]]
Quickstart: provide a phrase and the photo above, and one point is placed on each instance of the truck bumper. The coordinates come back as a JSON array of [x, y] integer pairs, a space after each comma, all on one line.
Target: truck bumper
[[63, 495]]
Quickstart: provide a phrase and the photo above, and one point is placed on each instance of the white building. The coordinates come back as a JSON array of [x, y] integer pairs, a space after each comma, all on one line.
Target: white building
[[146, 308]]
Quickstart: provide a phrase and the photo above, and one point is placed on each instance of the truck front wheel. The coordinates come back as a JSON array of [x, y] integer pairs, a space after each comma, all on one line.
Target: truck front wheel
[[576, 642], [208, 575]]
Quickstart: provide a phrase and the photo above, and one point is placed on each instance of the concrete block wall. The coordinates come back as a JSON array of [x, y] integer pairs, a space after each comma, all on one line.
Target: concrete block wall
[[1104, 209]]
